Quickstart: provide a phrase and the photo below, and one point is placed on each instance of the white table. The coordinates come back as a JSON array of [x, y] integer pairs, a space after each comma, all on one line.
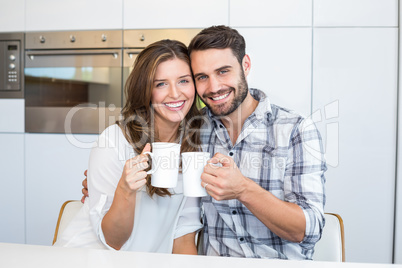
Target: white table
[[21, 255]]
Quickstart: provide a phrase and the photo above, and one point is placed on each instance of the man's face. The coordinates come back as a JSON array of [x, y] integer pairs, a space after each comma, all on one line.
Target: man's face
[[220, 79]]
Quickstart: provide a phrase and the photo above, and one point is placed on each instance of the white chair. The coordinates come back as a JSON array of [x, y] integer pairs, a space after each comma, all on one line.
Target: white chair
[[67, 212], [331, 246]]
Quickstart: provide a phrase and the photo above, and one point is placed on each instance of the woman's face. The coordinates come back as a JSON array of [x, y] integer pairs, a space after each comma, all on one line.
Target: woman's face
[[173, 91]]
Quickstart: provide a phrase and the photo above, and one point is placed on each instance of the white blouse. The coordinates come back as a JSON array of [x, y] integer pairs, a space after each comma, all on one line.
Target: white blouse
[[157, 221]]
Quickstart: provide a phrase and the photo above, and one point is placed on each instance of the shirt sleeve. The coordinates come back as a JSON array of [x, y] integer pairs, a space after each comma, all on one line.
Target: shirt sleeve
[[304, 178], [189, 220], [104, 172]]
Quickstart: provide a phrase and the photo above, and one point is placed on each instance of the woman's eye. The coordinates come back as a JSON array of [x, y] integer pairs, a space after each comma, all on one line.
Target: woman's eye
[[184, 81], [160, 84]]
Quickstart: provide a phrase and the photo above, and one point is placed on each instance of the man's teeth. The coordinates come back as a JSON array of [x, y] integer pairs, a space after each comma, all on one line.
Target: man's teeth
[[221, 97], [174, 105]]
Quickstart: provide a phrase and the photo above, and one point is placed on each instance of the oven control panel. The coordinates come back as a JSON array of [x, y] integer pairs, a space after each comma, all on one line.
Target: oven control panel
[[10, 54]]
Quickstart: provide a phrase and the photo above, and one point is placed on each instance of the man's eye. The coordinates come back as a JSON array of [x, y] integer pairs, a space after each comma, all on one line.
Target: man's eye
[[202, 77], [223, 71]]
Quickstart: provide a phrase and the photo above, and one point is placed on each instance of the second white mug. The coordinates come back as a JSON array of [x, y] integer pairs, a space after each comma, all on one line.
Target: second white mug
[[193, 164]]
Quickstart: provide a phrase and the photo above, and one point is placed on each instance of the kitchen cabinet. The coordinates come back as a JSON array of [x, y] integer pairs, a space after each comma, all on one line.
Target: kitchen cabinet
[[281, 65], [12, 188], [355, 99], [256, 13], [356, 13], [48, 15], [398, 203], [12, 115], [54, 169], [157, 14], [12, 15]]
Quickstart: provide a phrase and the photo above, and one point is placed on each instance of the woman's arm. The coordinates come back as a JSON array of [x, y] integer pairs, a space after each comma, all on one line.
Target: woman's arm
[[118, 222], [185, 244]]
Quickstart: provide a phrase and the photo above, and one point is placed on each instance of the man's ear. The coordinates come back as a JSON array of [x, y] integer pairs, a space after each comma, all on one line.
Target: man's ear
[[246, 64]]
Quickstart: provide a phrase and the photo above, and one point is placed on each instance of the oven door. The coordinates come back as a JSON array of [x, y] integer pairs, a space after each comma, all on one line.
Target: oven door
[[72, 91], [129, 58]]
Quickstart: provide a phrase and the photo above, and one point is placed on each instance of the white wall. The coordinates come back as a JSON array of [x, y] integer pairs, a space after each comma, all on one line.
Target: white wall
[[337, 59]]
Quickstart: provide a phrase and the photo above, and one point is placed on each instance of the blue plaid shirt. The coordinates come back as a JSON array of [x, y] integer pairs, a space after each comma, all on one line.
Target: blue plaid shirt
[[282, 152]]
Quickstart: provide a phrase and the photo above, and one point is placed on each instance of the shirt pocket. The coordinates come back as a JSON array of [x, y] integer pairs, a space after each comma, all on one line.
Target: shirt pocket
[[272, 170]]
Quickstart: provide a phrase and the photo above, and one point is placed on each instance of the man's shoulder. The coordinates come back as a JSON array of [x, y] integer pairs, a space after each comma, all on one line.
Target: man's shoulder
[[280, 114]]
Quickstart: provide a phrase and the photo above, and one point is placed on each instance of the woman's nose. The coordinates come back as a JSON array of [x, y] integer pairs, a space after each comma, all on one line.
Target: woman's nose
[[174, 92]]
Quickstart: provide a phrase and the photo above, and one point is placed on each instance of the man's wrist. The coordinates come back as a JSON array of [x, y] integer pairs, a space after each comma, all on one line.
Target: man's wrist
[[246, 189]]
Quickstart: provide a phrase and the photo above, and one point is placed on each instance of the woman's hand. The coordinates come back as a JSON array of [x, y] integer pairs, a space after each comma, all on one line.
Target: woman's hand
[[134, 176]]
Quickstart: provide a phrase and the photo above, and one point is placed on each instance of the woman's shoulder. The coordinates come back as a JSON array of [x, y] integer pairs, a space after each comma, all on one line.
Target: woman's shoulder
[[113, 134]]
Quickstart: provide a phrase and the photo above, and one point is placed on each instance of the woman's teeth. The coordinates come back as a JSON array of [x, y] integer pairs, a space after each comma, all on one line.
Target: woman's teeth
[[221, 97], [174, 104]]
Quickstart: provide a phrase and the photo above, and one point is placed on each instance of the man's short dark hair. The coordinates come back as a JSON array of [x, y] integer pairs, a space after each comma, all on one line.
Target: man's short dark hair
[[219, 37]]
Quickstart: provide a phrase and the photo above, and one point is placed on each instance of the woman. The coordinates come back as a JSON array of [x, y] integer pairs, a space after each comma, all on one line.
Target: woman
[[124, 210]]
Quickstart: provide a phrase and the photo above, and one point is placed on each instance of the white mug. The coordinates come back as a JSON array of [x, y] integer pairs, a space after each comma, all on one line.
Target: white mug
[[193, 164], [165, 164]]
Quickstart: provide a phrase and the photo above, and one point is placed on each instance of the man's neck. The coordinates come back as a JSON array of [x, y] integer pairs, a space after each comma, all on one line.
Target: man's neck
[[234, 121]]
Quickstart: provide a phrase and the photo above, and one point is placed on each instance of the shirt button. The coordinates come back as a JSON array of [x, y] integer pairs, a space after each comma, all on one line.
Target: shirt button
[[241, 239], [231, 153], [234, 212]]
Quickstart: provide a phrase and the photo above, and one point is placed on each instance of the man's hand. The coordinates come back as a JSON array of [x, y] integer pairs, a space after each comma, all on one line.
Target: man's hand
[[85, 189], [225, 182]]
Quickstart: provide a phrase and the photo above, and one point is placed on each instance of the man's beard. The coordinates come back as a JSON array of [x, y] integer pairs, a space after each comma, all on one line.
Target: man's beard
[[242, 90]]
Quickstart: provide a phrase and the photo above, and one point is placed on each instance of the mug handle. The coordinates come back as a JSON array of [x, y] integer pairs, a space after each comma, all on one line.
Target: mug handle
[[151, 171]]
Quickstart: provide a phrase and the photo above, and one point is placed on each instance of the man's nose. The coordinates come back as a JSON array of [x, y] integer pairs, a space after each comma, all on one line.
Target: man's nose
[[213, 84]]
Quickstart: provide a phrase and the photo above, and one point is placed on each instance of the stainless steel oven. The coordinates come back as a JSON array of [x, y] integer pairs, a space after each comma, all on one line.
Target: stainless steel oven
[[73, 81], [11, 65]]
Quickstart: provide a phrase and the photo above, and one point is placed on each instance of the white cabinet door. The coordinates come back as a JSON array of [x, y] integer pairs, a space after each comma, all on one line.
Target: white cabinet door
[[12, 195], [281, 65], [356, 13], [254, 13], [355, 94], [12, 115], [54, 169], [398, 210], [12, 15], [157, 14], [43, 15]]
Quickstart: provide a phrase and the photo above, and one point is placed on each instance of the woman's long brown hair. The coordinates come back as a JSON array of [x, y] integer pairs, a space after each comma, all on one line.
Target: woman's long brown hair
[[137, 112]]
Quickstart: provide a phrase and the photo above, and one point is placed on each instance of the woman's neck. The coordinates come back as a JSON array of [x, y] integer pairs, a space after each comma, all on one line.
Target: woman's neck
[[166, 131]]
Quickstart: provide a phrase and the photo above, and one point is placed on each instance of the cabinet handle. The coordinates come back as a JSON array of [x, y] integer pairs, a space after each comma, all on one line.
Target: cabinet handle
[[32, 55]]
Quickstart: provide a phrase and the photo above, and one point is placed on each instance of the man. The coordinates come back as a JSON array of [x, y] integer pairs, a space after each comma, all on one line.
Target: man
[[266, 198]]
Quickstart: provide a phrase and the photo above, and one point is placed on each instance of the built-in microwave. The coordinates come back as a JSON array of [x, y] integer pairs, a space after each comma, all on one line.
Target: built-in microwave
[[11, 65]]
